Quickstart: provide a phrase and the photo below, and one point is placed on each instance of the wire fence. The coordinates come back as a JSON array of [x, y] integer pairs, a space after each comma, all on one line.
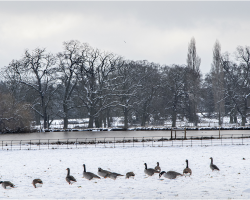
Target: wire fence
[[124, 142]]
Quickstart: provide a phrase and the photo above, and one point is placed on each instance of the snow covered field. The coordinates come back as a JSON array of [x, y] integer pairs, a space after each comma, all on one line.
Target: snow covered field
[[232, 181]]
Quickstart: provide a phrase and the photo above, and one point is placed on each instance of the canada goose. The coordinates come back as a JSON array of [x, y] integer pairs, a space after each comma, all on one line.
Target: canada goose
[[69, 178], [212, 166], [7, 184], [187, 171], [103, 173], [130, 174], [170, 174], [113, 175], [89, 175], [157, 168], [149, 171], [37, 181]]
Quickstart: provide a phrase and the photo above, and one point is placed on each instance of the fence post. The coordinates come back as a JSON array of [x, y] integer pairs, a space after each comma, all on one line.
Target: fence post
[[232, 139], [133, 141], [143, 141], [242, 139], [114, 142], [123, 142], [201, 140], [11, 145], [20, 144], [162, 142], [182, 141], [76, 143], [2, 145], [175, 135], [48, 143], [86, 142], [171, 134], [30, 144], [185, 133], [67, 143], [152, 142], [95, 142], [191, 141], [211, 140], [39, 144], [104, 142]]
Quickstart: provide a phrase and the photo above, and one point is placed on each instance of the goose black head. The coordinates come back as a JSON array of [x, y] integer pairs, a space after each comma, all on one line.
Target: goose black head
[[161, 174]]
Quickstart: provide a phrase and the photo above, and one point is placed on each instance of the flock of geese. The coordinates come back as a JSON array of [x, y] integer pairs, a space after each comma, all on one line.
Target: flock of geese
[[113, 175]]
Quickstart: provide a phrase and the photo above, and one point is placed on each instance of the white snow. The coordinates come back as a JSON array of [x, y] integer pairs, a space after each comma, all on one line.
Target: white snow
[[232, 181]]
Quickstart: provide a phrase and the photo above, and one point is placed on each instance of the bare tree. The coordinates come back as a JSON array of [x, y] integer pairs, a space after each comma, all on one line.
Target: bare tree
[[94, 83], [69, 61], [237, 80], [147, 94], [35, 71], [194, 76], [174, 91], [217, 75]]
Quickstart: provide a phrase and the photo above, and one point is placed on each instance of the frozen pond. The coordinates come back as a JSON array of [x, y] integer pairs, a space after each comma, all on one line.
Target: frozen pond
[[120, 134]]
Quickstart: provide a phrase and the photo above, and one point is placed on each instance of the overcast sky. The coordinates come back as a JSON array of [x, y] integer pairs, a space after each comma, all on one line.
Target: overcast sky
[[155, 31]]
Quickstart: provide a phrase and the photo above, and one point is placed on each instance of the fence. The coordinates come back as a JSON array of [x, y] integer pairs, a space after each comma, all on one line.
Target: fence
[[124, 142]]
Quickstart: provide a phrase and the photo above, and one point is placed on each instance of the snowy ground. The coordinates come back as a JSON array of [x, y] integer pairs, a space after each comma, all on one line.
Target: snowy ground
[[232, 181]]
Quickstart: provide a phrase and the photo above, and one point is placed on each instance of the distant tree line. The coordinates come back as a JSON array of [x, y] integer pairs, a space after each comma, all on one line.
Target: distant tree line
[[85, 82]]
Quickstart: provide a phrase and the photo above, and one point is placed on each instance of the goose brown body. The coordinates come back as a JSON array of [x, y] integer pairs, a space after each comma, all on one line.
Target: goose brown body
[[187, 171], [89, 175], [212, 166], [113, 175], [157, 168], [130, 174], [6, 184], [170, 174], [36, 181], [103, 173], [70, 178], [149, 171]]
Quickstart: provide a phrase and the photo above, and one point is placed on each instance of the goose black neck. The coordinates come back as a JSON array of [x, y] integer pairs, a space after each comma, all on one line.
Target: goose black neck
[[84, 167], [187, 163], [145, 165], [68, 171], [211, 161]]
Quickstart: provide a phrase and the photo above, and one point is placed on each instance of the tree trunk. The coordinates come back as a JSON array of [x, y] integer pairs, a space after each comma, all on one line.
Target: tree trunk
[[143, 120], [65, 119], [174, 119], [65, 122], [108, 118], [220, 121], [244, 120], [45, 121], [231, 118], [235, 119], [91, 118], [125, 111], [97, 122]]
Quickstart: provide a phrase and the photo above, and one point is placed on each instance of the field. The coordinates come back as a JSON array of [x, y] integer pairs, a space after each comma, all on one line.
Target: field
[[232, 181]]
